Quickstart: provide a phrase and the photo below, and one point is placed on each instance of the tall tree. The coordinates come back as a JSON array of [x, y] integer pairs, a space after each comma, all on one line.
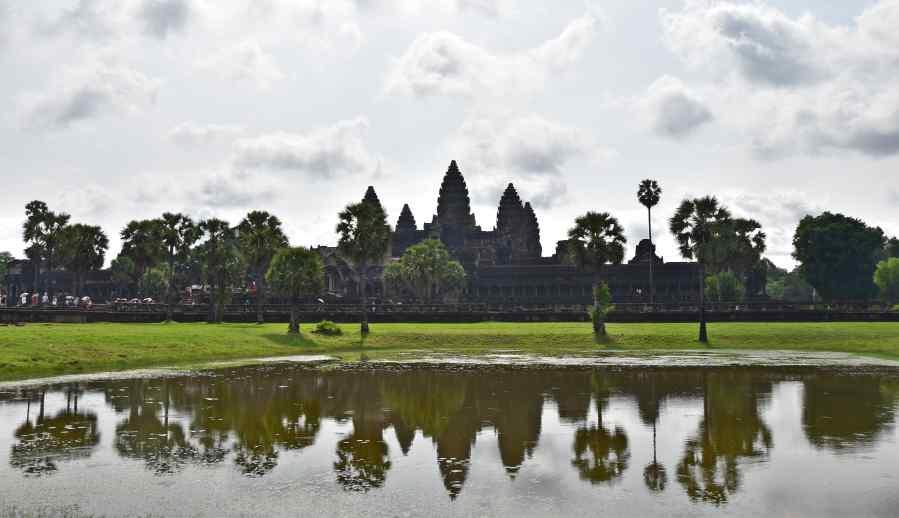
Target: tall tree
[[648, 194], [695, 225], [221, 261], [261, 236], [178, 233], [837, 255], [142, 243], [364, 239], [122, 270], [597, 239], [886, 277], [296, 272], [5, 258], [82, 248], [42, 228], [427, 270]]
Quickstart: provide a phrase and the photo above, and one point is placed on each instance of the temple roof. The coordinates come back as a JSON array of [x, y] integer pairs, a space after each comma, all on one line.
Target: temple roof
[[453, 203], [371, 195], [406, 221], [509, 216]]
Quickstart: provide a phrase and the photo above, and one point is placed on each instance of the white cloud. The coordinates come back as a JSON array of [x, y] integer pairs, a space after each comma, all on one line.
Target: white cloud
[[533, 150], [328, 152], [443, 63], [246, 61], [190, 134], [802, 86], [778, 212], [86, 204], [671, 109], [95, 90]]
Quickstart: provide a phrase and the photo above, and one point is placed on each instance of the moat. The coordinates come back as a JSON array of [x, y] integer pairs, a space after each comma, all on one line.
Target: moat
[[286, 439]]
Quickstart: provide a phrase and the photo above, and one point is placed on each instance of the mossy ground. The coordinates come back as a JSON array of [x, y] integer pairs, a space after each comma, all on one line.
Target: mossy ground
[[49, 349]]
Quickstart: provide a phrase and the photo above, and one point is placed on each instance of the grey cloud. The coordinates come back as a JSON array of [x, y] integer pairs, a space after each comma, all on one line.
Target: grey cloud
[[327, 152], [672, 109], [529, 144], [163, 17], [768, 47], [96, 90], [235, 190]]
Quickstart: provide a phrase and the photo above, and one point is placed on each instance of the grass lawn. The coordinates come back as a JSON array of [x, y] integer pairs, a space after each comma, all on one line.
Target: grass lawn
[[48, 349]]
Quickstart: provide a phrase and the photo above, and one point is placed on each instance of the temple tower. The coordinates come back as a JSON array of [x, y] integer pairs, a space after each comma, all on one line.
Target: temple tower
[[454, 215], [532, 232], [371, 196], [406, 221]]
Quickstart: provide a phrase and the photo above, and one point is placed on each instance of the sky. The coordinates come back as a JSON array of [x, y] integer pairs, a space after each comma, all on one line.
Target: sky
[[114, 110]]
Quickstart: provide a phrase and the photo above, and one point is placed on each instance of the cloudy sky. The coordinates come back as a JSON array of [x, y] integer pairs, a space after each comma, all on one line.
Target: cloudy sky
[[120, 109]]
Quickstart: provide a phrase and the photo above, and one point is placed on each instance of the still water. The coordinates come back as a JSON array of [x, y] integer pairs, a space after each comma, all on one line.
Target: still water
[[289, 440]]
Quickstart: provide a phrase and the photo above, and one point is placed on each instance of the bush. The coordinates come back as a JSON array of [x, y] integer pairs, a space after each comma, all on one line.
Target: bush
[[327, 328]]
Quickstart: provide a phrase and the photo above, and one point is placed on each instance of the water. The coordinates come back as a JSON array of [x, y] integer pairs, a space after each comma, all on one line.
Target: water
[[289, 440]]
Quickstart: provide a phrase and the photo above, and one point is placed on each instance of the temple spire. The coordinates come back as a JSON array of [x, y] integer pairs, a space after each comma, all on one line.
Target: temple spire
[[371, 195], [406, 221]]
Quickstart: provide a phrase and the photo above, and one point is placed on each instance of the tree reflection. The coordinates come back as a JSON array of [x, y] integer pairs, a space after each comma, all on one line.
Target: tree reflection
[[731, 429], [845, 413], [363, 459], [600, 455], [68, 435]]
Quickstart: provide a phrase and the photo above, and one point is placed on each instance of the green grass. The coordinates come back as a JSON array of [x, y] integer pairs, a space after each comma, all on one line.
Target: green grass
[[48, 349]]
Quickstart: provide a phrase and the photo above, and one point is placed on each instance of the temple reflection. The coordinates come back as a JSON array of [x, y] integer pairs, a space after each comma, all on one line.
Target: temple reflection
[[251, 419]]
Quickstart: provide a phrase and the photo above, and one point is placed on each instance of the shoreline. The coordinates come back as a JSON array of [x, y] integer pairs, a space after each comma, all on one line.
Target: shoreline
[[48, 350], [621, 361]]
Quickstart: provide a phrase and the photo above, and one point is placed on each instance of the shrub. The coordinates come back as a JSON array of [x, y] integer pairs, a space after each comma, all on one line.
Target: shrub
[[327, 328]]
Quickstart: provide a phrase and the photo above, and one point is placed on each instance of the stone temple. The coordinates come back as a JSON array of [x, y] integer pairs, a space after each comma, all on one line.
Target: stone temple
[[506, 264]]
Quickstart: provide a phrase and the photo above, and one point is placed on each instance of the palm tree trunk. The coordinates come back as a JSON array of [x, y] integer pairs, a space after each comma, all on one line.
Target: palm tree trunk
[[703, 333], [260, 298], [652, 256], [168, 291], [294, 327], [364, 325], [599, 321]]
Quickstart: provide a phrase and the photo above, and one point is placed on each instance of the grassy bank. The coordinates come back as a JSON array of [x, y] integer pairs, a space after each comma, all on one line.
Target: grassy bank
[[48, 349]]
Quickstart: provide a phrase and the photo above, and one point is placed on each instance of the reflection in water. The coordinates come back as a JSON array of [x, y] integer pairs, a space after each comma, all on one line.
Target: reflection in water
[[253, 418], [67, 435], [731, 429], [839, 413]]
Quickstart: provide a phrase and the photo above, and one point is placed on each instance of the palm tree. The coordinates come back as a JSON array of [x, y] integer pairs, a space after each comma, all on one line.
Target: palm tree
[[364, 239], [296, 272], [694, 225], [142, 242], [82, 248], [178, 233], [42, 228], [649, 194], [261, 237], [221, 262], [597, 239]]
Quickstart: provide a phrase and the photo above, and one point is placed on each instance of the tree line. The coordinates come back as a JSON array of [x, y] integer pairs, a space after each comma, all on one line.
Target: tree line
[[840, 258]]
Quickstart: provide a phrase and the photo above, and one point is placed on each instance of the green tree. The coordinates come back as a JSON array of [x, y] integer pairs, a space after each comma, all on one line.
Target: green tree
[[364, 239], [42, 229], [695, 226], [142, 243], [122, 270], [427, 270], [648, 194], [295, 273], [261, 237], [82, 248], [597, 239], [837, 255], [178, 234], [892, 248], [155, 282], [222, 263], [5, 258], [886, 277], [724, 287]]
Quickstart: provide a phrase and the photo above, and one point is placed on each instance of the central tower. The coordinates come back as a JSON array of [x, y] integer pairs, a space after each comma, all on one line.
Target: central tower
[[454, 217]]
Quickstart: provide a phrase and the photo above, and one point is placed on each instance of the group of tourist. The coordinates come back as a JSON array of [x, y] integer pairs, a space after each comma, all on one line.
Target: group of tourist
[[37, 299]]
